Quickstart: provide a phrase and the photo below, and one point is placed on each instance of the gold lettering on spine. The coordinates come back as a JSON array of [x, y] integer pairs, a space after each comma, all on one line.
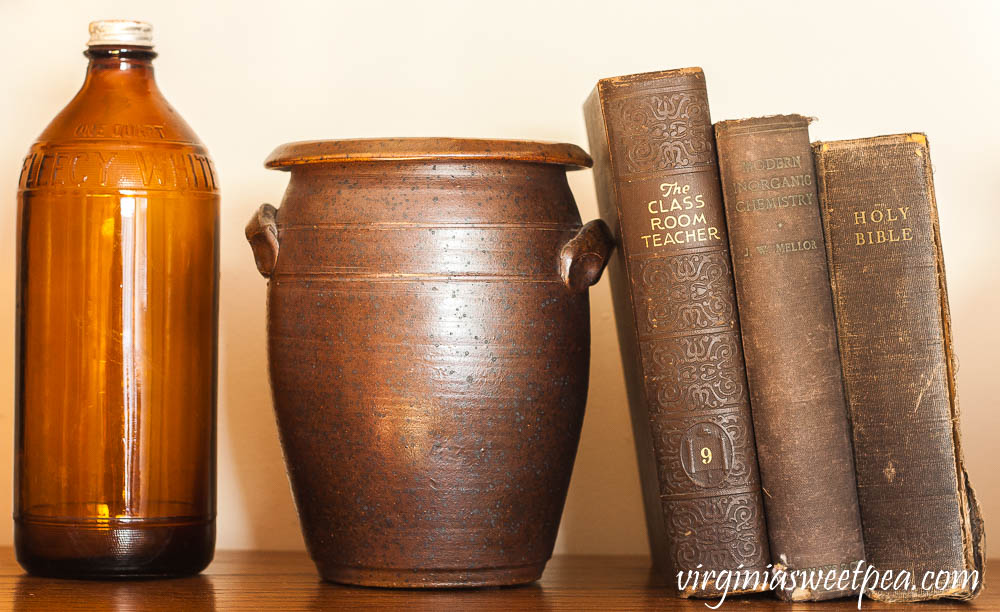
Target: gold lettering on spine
[[770, 187], [674, 220], [775, 192], [882, 217], [773, 163]]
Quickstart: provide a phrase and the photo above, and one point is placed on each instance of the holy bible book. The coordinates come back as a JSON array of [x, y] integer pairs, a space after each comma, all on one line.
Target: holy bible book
[[891, 302], [790, 342], [675, 305]]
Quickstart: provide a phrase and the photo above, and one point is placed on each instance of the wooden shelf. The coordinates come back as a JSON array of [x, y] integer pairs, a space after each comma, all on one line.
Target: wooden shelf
[[287, 581]]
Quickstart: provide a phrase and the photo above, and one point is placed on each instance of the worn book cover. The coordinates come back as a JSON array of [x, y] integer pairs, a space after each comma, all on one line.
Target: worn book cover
[[790, 343], [887, 275], [675, 305]]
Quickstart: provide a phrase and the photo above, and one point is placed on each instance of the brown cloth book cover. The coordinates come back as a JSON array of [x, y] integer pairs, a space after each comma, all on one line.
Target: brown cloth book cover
[[887, 274], [790, 343], [675, 305]]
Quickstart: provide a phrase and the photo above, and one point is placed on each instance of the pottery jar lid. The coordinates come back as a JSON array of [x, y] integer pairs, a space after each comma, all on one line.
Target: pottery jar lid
[[429, 149]]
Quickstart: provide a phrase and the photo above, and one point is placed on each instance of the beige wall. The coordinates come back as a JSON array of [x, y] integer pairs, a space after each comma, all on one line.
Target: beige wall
[[250, 75]]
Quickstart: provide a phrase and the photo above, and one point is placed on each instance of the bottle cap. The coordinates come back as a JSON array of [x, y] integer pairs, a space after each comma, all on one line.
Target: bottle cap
[[121, 32]]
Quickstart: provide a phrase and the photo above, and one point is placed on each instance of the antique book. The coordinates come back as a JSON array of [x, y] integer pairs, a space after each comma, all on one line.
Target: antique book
[[675, 305], [790, 344], [887, 275]]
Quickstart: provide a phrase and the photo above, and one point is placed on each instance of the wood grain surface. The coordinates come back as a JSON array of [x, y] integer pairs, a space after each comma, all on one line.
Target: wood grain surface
[[260, 580]]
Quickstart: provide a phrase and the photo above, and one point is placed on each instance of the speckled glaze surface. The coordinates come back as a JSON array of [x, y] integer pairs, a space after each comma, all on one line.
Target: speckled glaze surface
[[429, 345]]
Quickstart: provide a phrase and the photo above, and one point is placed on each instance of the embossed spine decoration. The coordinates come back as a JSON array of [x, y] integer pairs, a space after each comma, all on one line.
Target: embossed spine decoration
[[790, 342], [880, 220], [658, 188]]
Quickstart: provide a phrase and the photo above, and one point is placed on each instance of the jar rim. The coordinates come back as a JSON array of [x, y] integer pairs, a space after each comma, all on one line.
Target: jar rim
[[291, 154]]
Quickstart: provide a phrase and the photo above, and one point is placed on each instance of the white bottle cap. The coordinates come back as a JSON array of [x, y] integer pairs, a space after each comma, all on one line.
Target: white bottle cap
[[121, 32]]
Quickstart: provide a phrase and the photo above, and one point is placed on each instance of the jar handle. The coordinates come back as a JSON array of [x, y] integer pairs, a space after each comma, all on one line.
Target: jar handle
[[262, 233], [584, 257]]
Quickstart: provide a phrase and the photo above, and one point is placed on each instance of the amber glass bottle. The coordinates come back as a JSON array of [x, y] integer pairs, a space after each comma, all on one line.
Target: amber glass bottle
[[117, 310]]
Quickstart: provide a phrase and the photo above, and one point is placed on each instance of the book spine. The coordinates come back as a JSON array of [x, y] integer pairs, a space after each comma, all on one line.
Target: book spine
[[675, 304], [887, 274], [790, 343]]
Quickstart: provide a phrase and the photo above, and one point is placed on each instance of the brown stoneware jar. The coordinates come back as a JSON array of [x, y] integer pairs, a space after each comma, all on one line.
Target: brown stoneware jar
[[429, 346]]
